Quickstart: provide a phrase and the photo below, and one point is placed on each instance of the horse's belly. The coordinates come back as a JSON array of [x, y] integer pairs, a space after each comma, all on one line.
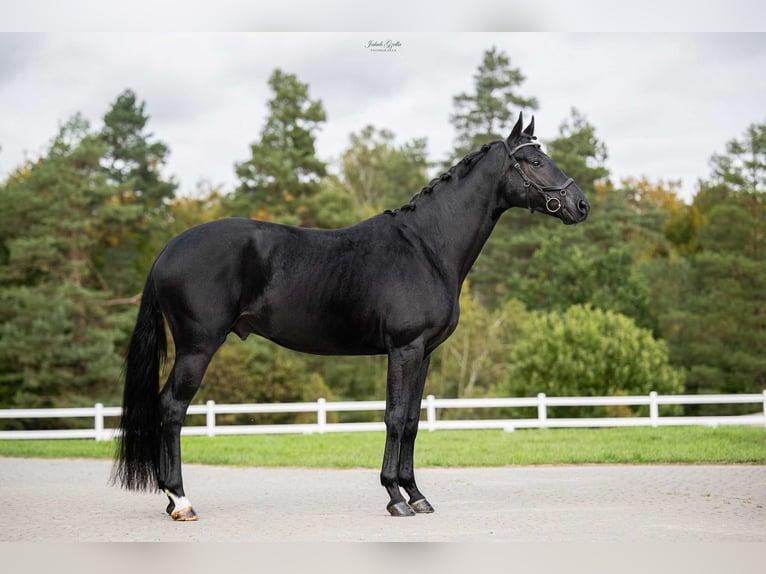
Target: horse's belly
[[307, 335]]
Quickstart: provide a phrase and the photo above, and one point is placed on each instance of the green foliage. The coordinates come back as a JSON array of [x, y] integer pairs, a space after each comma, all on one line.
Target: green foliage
[[489, 112], [596, 263], [578, 152], [379, 174], [476, 356], [132, 161], [332, 206], [258, 371], [283, 170], [58, 342], [743, 167], [606, 280], [711, 304], [589, 352], [670, 222], [352, 378], [57, 346]]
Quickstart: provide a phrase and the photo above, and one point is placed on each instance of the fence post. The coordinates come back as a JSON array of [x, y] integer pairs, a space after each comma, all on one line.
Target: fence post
[[654, 409], [321, 414], [431, 411], [542, 409], [99, 421], [210, 418], [764, 407]]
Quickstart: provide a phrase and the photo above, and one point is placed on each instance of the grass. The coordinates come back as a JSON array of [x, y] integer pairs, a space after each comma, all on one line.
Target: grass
[[691, 445]]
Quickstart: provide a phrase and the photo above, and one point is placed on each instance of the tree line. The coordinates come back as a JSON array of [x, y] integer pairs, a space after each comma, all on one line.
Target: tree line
[[651, 293]]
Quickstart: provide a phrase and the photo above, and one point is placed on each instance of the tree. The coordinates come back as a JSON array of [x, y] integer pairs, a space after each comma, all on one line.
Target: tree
[[572, 271], [660, 200], [589, 352], [488, 113], [189, 210], [711, 304], [743, 167], [578, 152], [283, 171], [59, 335], [332, 206], [380, 174], [132, 160], [474, 360], [258, 371]]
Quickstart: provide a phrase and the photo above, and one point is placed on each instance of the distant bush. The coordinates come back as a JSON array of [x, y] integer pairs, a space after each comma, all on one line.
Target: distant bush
[[589, 352]]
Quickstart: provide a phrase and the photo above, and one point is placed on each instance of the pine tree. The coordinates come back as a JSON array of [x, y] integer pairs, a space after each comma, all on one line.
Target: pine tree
[[489, 112], [578, 152], [283, 172], [132, 161], [58, 337], [712, 303]]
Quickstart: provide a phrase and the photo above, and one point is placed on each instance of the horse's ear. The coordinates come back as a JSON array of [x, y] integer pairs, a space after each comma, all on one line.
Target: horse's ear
[[530, 131], [516, 131]]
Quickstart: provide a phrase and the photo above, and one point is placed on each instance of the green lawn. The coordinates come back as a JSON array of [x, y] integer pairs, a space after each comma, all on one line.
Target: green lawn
[[723, 445]]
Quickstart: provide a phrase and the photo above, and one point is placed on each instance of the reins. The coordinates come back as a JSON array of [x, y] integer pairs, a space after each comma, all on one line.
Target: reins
[[542, 189]]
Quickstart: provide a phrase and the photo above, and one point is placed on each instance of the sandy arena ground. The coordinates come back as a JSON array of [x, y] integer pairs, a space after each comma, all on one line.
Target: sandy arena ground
[[69, 500]]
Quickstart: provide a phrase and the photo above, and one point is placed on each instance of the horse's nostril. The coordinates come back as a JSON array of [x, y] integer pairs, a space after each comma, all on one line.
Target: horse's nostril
[[583, 206]]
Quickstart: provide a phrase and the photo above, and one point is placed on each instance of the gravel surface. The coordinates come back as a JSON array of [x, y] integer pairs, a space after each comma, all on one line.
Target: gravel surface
[[69, 500]]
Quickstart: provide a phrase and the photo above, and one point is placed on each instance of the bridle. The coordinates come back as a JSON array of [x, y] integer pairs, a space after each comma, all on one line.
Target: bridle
[[552, 204]]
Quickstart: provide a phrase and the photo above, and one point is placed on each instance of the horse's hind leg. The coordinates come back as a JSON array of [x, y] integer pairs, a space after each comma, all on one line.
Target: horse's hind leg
[[182, 384]]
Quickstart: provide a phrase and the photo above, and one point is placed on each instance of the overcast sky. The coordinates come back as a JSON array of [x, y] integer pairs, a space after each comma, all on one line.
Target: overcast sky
[[662, 103]]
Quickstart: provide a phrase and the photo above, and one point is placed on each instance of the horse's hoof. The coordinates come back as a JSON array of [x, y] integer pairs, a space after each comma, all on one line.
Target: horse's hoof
[[400, 509], [422, 506], [184, 515]]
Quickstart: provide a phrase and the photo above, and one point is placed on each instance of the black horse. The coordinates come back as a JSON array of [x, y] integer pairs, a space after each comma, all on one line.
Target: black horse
[[388, 285]]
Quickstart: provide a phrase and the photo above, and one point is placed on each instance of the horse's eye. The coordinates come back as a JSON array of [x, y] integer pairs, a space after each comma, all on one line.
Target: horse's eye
[[536, 163]]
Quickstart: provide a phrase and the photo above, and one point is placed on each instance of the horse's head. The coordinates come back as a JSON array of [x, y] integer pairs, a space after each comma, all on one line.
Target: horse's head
[[535, 182]]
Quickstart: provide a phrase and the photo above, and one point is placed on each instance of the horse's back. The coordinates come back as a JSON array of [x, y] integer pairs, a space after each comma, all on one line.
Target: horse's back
[[239, 274]]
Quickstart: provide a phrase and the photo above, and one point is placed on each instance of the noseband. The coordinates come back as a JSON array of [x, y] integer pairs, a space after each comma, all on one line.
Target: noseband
[[552, 204]]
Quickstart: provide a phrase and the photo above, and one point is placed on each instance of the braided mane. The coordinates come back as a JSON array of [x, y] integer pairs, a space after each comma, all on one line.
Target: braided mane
[[459, 170]]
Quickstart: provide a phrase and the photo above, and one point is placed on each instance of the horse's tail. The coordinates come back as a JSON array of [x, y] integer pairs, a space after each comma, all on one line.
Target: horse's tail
[[137, 457]]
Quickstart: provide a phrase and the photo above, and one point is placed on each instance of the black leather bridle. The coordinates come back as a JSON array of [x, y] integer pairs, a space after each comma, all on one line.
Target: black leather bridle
[[552, 204]]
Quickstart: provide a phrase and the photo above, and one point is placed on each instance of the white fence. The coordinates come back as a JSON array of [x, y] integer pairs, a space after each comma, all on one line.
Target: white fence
[[431, 404]]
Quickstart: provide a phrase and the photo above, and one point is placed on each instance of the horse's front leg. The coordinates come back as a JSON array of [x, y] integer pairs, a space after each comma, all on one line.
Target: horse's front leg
[[417, 500], [403, 372]]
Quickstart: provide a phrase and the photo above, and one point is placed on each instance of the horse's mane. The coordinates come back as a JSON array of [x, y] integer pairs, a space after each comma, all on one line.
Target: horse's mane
[[459, 170]]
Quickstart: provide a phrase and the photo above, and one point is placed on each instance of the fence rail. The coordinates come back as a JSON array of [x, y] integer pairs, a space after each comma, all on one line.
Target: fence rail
[[431, 422]]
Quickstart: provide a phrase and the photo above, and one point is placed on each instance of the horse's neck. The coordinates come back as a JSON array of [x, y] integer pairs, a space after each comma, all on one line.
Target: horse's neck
[[458, 217]]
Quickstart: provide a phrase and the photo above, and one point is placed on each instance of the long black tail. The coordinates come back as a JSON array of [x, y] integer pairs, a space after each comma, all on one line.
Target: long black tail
[[137, 456]]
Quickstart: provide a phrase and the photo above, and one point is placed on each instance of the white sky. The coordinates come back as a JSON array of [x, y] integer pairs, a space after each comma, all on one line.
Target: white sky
[[663, 103]]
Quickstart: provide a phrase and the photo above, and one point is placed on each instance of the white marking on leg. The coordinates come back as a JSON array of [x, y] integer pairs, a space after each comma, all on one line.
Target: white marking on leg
[[180, 502]]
